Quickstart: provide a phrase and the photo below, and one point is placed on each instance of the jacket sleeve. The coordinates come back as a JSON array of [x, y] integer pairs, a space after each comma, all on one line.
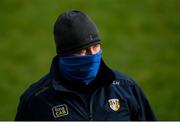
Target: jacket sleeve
[[144, 111], [22, 111]]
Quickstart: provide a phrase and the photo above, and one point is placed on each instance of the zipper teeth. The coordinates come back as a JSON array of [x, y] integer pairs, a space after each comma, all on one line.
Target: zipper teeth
[[77, 95], [91, 101]]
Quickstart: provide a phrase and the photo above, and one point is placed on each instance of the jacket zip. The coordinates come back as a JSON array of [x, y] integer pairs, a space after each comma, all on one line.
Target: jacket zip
[[91, 102], [77, 95], [91, 105]]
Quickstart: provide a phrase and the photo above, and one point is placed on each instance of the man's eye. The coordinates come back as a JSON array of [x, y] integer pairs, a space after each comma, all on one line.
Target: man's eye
[[81, 52], [97, 45]]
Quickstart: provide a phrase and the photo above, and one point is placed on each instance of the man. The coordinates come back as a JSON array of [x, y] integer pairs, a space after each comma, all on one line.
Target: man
[[80, 86]]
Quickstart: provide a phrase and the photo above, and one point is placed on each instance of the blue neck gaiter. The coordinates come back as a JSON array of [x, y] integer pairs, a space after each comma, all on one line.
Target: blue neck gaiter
[[80, 68]]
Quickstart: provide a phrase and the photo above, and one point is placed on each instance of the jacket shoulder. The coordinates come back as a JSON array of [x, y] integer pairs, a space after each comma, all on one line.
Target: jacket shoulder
[[35, 88], [123, 79]]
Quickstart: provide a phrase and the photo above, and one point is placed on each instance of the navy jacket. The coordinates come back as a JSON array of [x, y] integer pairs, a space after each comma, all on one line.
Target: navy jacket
[[111, 96]]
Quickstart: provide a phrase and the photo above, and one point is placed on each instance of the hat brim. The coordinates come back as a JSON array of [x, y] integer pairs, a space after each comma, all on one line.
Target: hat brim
[[80, 48]]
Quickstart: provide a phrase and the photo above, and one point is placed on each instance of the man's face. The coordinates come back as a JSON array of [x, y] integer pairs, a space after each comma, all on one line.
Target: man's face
[[93, 49]]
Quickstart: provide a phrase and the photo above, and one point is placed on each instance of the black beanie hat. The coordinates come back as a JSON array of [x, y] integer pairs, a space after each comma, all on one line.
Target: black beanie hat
[[74, 31]]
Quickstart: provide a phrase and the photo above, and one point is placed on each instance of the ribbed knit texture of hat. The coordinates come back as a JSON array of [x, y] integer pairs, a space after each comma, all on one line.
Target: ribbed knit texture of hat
[[74, 31]]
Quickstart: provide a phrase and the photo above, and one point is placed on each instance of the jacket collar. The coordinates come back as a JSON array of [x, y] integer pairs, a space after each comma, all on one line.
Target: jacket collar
[[60, 83]]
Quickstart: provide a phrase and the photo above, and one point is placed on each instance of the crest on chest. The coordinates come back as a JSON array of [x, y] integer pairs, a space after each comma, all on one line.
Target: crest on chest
[[114, 104]]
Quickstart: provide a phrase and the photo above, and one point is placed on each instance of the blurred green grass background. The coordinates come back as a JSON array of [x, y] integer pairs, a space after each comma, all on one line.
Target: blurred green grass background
[[140, 38]]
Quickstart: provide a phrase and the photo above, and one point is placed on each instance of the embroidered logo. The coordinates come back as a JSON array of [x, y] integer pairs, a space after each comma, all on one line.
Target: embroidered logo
[[114, 104], [115, 82], [60, 110], [91, 37]]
